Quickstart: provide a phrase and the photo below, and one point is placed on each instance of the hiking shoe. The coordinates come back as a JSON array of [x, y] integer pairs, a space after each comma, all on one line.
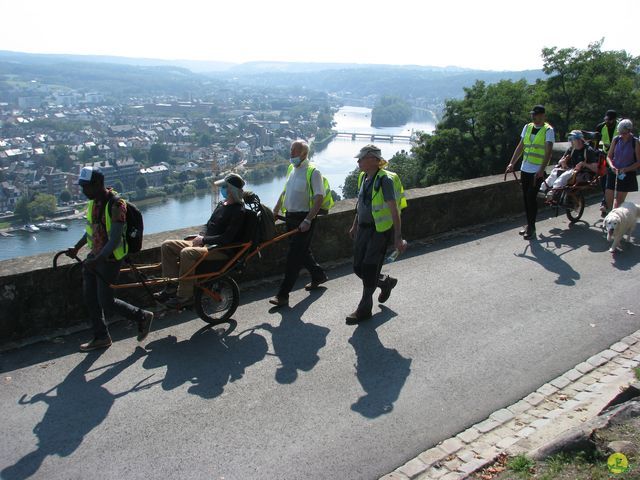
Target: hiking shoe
[[96, 344], [603, 211], [385, 289], [523, 231], [279, 301], [178, 303], [358, 316], [144, 325], [314, 284], [530, 234]]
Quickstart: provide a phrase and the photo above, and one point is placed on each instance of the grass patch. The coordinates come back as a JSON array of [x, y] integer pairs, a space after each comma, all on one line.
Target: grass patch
[[637, 372], [521, 464]]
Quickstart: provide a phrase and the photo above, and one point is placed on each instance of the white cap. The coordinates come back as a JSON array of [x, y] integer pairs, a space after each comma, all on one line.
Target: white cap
[[87, 175]]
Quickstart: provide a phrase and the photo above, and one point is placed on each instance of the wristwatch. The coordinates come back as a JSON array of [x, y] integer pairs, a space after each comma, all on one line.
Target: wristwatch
[[306, 220]]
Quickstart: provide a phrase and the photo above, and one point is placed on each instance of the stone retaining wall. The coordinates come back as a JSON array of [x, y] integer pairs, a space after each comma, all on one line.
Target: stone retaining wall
[[36, 300]]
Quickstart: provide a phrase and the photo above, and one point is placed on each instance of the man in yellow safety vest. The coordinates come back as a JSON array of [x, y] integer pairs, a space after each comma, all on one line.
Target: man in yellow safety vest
[[104, 235], [608, 130], [377, 224], [535, 146]]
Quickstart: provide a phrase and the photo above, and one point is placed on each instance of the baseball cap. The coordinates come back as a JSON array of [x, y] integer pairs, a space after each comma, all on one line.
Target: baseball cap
[[537, 109], [373, 151], [576, 135], [232, 179], [89, 175]]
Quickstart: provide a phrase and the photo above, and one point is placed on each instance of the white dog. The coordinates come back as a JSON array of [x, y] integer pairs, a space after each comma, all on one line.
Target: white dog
[[619, 222]]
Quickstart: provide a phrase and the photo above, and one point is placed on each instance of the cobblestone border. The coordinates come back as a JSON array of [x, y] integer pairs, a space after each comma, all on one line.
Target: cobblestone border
[[557, 406]]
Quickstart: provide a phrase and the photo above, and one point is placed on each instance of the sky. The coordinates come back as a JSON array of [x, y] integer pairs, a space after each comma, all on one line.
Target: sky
[[489, 34]]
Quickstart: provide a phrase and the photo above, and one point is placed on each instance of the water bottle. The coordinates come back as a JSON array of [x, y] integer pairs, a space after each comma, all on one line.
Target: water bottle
[[394, 255]]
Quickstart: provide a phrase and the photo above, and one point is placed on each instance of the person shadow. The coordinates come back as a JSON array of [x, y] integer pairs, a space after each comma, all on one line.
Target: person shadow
[[295, 342], [207, 361], [78, 406], [381, 371], [551, 262]]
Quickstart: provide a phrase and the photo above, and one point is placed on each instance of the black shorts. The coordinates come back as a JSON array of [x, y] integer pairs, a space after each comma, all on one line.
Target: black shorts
[[628, 184]]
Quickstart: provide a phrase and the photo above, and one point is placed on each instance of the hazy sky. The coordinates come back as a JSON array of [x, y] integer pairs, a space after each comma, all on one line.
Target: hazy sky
[[490, 34]]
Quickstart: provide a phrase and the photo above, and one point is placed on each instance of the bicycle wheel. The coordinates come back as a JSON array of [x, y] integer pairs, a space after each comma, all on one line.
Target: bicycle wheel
[[216, 300], [575, 206]]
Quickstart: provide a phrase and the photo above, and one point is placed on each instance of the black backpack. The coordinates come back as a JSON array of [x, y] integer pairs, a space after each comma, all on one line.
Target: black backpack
[[266, 220], [135, 225]]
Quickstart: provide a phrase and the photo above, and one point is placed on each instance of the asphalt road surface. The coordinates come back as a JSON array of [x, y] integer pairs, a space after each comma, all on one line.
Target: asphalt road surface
[[477, 322]]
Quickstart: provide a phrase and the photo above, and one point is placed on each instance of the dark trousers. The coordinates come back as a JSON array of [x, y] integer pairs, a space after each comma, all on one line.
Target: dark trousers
[[369, 250], [530, 188], [100, 300], [299, 254]]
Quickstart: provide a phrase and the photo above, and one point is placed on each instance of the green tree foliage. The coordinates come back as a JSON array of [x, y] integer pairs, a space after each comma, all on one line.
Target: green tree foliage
[[141, 183], [478, 133], [158, 153], [43, 205], [22, 209], [118, 186], [65, 196], [350, 186], [583, 84], [390, 112], [204, 140]]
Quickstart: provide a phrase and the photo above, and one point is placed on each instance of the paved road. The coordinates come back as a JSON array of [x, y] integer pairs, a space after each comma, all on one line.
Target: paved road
[[477, 322]]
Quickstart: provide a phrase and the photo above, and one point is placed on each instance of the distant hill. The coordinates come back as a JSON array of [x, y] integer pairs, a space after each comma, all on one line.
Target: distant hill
[[196, 66], [139, 76], [433, 83]]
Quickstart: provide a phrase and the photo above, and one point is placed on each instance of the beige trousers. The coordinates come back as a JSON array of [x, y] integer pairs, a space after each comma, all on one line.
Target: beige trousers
[[178, 257]]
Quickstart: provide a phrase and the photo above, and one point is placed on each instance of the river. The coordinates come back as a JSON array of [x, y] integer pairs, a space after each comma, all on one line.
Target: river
[[335, 162]]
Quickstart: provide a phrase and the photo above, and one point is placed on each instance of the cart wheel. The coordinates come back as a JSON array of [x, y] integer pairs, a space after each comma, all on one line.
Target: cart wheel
[[575, 206], [217, 300]]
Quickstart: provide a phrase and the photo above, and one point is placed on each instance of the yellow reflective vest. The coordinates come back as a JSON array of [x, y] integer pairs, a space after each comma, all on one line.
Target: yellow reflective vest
[[606, 141], [379, 208], [534, 151], [122, 249], [327, 201]]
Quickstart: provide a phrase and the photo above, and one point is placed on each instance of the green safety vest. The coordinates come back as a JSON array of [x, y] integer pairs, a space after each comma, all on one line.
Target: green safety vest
[[327, 201], [379, 208], [534, 151], [606, 141], [122, 249]]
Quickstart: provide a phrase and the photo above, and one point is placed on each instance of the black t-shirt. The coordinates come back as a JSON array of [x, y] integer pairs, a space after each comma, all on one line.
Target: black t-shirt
[[224, 225], [576, 156]]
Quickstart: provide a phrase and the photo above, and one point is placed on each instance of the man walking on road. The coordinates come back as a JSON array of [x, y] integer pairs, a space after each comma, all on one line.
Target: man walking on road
[[376, 224], [536, 145], [105, 229], [301, 201]]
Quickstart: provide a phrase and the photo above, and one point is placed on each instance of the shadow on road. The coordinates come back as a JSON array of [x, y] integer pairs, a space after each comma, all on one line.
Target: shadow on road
[[78, 406], [295, 342], [207, 361], [381, 371]]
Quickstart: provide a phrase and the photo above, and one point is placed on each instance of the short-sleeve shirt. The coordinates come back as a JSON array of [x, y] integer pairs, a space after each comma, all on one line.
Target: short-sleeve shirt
[[550, 137], [364, 197], [297, 195], [576, 156], [118, 215]]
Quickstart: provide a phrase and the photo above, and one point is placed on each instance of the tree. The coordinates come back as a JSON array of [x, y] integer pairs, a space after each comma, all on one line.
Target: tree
[[118, 186], [62, 158], [158, 153], [141, 183], [65, 196], [583, 84], [390, 111], [205, 140], [350, 187], [22, 208], [43, 205]]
